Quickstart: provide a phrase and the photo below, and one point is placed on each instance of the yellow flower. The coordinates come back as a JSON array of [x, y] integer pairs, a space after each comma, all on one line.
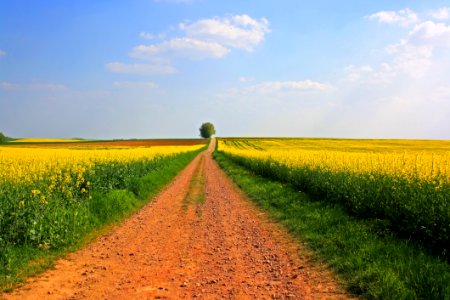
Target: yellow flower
[[355, 156], [44, 200]]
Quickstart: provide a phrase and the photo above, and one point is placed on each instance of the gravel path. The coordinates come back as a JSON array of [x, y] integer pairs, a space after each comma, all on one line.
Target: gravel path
[[223, 248]]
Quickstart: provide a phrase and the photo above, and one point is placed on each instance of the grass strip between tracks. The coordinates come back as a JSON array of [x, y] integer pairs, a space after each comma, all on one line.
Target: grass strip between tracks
[[105, 210], [196, 192], [370, 262]]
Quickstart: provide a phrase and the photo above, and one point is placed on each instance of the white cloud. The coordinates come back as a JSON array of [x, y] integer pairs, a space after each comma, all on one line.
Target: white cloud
[[442, 13], [403, 17], [288, 86], [239, 31], [406, 60], [140, 69], [2, 53], [135, 84], [355, 73], [430, 33], [278, 88], [146, 35], [410, 59], [407, 96], [246, 79], [203, 39], [179, 48], [413, 56]]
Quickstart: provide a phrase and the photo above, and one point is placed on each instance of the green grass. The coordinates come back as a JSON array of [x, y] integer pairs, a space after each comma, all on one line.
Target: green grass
[[412, 209], [196, 191], [30, 243], [369, 260]]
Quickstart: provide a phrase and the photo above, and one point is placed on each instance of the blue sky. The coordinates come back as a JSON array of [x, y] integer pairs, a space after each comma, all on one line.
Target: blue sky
[[159, 68]]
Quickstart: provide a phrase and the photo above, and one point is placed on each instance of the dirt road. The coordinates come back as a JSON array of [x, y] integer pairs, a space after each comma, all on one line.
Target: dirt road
[[200, 238]]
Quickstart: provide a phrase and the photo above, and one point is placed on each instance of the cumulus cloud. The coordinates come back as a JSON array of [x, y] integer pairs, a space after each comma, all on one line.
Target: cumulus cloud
[[2, 53], [442, 13], [403, 17], [430, 33], [203, 39], [140, 69], [135, 84], [413, 55], [180, 48], [239, 31], [414, 99]]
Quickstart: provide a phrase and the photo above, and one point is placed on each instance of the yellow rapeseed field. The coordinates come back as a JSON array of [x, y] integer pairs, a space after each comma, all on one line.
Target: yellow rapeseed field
[[53, 195], [21, 164], [425, 160], [403, 182]]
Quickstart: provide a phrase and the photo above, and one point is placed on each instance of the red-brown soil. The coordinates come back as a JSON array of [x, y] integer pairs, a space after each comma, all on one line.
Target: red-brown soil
[[118, 143], [223, 248]]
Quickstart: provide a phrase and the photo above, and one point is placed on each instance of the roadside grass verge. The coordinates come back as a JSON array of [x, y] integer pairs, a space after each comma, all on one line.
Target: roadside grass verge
[[369, 260], [106, 208]]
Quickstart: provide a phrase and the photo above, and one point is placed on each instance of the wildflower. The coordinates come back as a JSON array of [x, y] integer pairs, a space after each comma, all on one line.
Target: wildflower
[[43, 200]]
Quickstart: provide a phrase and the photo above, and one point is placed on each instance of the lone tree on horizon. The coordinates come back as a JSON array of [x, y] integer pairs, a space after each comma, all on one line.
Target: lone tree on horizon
[[2, 138], [207, 130]]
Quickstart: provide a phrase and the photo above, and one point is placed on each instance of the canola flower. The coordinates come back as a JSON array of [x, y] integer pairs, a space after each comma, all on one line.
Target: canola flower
[[23, 165], [51, 196], [352, 156], [46, 172], [404, 183]]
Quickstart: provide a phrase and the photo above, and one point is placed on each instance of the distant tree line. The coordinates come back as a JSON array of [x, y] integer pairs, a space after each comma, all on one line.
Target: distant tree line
[[3, 138]]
